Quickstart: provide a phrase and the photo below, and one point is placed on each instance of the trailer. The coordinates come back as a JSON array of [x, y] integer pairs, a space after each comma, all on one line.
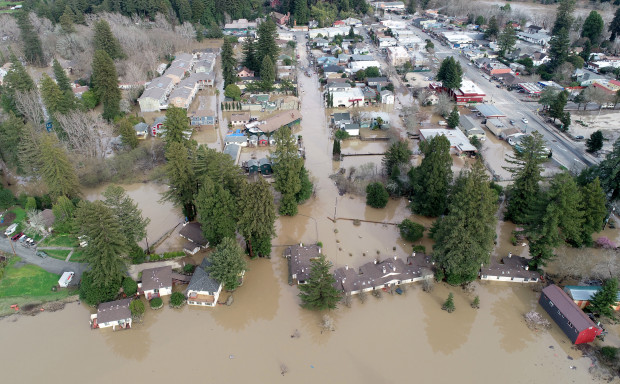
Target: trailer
[[65, 279]]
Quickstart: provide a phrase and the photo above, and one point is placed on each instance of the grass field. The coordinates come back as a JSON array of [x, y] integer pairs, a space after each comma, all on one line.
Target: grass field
[[63, 240], [20, 215], [57, 253], [78, 256]]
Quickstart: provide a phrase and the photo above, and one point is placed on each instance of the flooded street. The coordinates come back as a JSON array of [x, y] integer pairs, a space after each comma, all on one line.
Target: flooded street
[[399, 338]]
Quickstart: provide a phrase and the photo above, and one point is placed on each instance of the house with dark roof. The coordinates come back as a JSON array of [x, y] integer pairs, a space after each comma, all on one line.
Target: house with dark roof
[[112, 314], [202, 288], [265, 166], [300, 261], [582, 295], [193, 233], [568, 316], [511, 268], [156, 282]]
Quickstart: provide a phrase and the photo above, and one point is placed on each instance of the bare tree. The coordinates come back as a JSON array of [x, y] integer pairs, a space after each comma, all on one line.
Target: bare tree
[[186, 30], [36, 221], [8, 27], [86, 132], [29, 104], [444, 104], [609, 266]]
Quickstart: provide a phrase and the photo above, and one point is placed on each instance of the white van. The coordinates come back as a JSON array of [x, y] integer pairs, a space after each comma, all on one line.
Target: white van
[[9, 231]]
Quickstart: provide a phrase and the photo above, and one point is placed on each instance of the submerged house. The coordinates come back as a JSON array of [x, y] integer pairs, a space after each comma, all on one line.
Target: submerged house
[[203, 289], [512, 268], [300, 261], [157, 282], [112, 314], [568, 316], [193, 233]]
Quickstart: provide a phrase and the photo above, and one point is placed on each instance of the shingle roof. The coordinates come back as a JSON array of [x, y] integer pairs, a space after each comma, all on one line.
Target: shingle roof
[[156, 278], [113, 311], [193, 232], [513, 266], [201, 280], [300, 259]]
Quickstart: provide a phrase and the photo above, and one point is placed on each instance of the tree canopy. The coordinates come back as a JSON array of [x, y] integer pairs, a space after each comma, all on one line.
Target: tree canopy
[[228, 263], [105, 84], [126, 211], [257, 215], [104, 40], [450, 73], [593, 27], [602, 301], [287, 166], [319, 292], [217, 211]]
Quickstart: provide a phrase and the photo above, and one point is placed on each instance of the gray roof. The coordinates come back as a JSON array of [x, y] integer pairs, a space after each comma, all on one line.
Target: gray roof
[[154, 93], [342, 116], [467, 123], [362, 58], [264, 161], [141, 127], [235, 139], [300, 259], [333, 68], [513, 266], [351, 126], [568, 308], [156, 278], [232, 150], [489, 110], [159, 82], [113, 311], [584, 293], [201, 280], [193, 232], [377, 80], [252, 163]]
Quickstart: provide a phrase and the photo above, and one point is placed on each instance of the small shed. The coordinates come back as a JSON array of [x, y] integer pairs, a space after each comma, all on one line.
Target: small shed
[[263, 140], [142, 130], [582, 295], [253, 166], [272, 141], [265, 166], [253, 141], [569, 317]]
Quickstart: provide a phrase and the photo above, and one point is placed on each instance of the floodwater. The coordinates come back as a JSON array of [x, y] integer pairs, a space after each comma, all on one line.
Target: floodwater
[[387, 340]]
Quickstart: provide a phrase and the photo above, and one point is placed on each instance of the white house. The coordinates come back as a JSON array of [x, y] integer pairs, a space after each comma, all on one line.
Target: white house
[[534, 38], [350, 97], [459, 143], [203, 289], [157, 282], [397, 56], [540, 58], [387, 97], [112, 314], [355, 66], [387, 41]]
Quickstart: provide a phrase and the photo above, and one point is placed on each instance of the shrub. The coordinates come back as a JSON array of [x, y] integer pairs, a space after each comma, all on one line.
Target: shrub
[[419, 249], [320, 244], [476, 303], [6, 199], [137, 308], [448, 305], [189, 268], [137, 254], [173, 255], [156, 303], [410, 230], [177, 300], [439, 274], [341, 135], [154, 257], [604, 242], [376, 195], [609, 353], [94, 295], [130, 287]]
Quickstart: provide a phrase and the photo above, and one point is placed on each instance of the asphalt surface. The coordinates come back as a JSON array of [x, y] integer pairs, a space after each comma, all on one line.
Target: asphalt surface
[[49, 263]]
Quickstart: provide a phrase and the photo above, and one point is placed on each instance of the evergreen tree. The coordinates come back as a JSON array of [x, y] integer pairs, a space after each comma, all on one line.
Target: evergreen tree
[[56, 169], [66, 20], [464, 237], [10, 135], [450, 73], [267, 74], [397, 154], [175, 126], [127, 214], [106, 243], [594, 210], [526, 174], [565, 120], [602, 301], [593, 27], [609, 172], [559, 48], [104, 40], [16, 80], [257, 215], [411, 7], [507, 40], [228, 64], [376, 195], [557, 107], [266, 45], [184, 11], [431, 180], [614, 26], [492, 29], [61, 77], [105, 84], [218, 167], [227, 264], [564, 17], [33, 52], [286, 169], [448, 305], [453, 118], [306, 186], [300, 12], [181, 178], [250, 54], [128, 134], [595, 142], [319, 292], [52, 96], [336, 150], [64, 212], [217, 212]]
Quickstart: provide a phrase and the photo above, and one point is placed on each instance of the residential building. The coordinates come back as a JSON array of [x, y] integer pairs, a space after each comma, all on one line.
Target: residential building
[[582, 295], [239, 27], [184, 93], [397, 56], [609, 86], [240, 118], [78, 91], [142, 130], [156, 282], [353, 129], [568, 316], [279, 18], [239, 139], [511, 268], [341, 118], [471, 128], [112, 314], [535, 38], [607, 62], [281, 119], [245, 72], [395, 6], [234, 151], [387, 97], [299, 259], [265, 166], [459, 143], [202, 288], [386, 41], [540, 58], [586, 78], [196, 241], [155, 94]]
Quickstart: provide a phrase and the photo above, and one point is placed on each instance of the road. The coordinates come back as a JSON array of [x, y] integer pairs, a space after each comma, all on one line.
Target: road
[[565, 151], [49, 264]]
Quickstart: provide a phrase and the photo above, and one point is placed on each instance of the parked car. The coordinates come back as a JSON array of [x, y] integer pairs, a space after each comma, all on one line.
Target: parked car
[[42, 254], [579, 137], [524, 120], [23, 238], [512, 122], [16, 237]]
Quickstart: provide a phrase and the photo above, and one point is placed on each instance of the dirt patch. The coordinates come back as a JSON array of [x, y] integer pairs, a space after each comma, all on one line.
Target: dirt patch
[[33, 309], [8, 218]]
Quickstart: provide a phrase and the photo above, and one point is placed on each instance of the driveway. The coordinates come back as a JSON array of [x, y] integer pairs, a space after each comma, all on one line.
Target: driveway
[[49, 264]]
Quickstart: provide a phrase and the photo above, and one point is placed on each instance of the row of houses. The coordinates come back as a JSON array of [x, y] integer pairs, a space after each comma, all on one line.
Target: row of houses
[[175, 86]]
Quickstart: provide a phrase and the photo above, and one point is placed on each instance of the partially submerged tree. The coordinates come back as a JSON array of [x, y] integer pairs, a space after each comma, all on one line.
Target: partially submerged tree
[[319, 292], [287, 165], [602, 301], [257, 215], [129, 216], [217, 211], [431, 180], [228, 264], [448, 305]]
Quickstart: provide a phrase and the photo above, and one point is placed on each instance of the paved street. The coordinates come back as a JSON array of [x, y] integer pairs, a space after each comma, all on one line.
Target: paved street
[[49, 264]]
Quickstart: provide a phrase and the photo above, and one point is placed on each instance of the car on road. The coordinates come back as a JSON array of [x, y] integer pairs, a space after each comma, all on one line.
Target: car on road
[[512, 122], [524, 120], [42, 254], [579, 137]]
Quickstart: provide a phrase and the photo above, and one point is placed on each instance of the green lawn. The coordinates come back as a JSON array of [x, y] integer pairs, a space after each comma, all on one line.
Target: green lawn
[[78, 256], [9, 3], [60, 240], [57, 253]]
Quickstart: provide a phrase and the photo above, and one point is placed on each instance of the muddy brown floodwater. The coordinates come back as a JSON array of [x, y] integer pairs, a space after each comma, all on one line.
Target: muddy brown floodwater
[[394, 339]]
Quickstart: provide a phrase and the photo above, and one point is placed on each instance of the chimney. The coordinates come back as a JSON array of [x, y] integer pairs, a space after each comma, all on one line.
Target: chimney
[[413, 254], [527, 267], [394, 257], [383, 269], [509, 255], [346, 267], [393, 268], [320, 250], [375, 261]]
